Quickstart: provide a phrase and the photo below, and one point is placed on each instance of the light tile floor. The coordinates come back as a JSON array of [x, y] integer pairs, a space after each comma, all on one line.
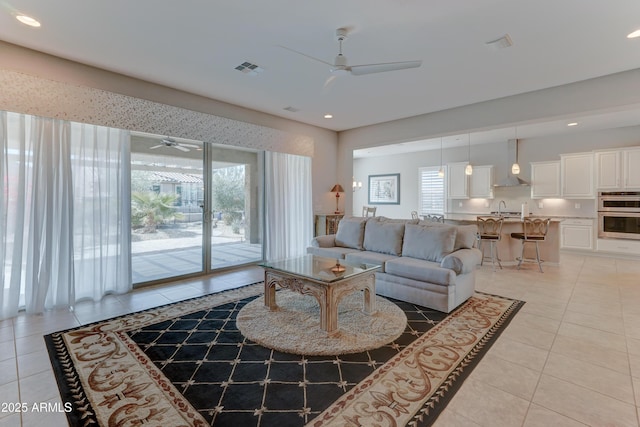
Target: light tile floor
[[570, 357]]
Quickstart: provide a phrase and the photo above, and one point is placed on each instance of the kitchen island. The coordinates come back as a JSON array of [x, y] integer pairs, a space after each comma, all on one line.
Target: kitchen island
[[509, 248]]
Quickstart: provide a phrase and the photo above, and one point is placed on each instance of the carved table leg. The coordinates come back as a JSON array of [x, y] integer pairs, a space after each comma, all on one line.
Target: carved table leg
[[369, 298], [269, 291], [328, 311]]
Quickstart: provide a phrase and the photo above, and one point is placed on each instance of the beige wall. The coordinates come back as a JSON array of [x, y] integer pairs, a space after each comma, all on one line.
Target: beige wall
[[530, 150], [32, 63], [598, 95]]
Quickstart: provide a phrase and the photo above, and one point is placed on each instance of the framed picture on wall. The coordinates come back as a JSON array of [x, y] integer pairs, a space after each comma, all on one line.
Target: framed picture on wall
[[384, 189]]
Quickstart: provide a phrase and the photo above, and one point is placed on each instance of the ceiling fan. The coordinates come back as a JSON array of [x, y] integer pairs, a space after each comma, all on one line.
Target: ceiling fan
[[170, 142], [341, 66]]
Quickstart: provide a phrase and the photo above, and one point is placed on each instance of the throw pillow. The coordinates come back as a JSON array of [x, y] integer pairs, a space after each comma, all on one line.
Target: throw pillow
[[466, 236], [351, 232], [384, 237], [428, 242]]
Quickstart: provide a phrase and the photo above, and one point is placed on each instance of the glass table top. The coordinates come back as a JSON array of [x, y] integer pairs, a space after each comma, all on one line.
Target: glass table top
[[319, 268]]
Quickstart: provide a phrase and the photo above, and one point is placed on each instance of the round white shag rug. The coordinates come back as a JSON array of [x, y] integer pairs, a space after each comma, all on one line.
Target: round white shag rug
[[294, 327]]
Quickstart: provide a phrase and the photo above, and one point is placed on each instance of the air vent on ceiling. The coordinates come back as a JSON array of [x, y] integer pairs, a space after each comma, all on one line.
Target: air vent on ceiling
[[249, 68], [501, 43], [292, 109]]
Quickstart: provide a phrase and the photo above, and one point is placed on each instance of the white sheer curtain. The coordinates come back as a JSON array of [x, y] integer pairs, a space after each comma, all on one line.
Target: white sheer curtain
[[56, 197], [288, 205], [102, 210]]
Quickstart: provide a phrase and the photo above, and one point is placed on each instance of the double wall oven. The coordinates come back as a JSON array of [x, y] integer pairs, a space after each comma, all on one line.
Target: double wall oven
[[619, 215]]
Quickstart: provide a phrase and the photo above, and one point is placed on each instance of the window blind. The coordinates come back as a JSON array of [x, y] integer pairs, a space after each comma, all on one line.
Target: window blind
[[431, 199]]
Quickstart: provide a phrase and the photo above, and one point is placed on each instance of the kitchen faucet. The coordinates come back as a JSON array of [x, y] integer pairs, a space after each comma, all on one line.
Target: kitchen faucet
[[502, 202]]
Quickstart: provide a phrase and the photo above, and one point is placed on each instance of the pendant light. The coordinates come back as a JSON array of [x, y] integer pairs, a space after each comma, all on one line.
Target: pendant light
[[441, 170], [469, 169], [515, 168]]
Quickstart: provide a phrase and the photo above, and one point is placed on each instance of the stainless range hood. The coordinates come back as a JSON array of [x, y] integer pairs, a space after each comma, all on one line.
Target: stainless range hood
[[512, 157]]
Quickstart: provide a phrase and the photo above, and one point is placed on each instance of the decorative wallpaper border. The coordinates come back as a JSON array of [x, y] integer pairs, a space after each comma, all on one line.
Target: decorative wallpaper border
[[22, 93]]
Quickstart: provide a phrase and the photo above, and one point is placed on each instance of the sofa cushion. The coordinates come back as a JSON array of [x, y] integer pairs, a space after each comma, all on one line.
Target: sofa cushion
[[366, 257], [466, 236], [351, 232], [421, 270], [397, 221], [431, 243], [325, 241], [335, 252], [384, 237]]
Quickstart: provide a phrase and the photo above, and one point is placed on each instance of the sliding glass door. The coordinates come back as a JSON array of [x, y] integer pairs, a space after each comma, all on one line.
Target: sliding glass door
[[187, 219], [236, 214], [167, 200]]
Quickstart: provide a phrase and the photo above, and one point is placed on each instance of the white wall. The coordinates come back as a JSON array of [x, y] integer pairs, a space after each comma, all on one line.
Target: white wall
[[530, 150]]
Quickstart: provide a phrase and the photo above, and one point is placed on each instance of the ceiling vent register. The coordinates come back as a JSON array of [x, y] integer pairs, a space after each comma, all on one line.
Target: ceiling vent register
[[249, 68]]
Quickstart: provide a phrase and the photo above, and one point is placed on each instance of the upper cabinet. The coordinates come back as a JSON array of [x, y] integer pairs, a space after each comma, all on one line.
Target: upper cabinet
[[576, 172], [457, 181], [631, 167], [545, 180], [462, 186], [481, 182], [608, 170], [618, 169]]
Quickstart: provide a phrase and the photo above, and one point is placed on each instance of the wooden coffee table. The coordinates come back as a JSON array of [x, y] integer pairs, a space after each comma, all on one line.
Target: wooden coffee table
[[323, 278]]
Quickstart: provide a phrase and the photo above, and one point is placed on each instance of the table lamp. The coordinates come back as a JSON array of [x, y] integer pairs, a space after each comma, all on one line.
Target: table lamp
[[338, 189]]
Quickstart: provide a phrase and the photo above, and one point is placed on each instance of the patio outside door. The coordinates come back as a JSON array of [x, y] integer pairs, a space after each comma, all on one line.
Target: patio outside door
[[188, 220], [236, 214], [167, 199]]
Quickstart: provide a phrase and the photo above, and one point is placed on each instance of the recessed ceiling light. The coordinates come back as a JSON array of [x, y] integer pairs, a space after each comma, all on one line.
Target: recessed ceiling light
[[634, 34], [572, 124], [328, 116], [27, 20]]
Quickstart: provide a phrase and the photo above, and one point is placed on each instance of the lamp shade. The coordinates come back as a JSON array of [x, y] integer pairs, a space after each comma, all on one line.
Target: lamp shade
[[337, 189]]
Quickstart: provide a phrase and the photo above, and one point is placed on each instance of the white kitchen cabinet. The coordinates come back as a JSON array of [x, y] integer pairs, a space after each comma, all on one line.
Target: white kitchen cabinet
[[619, 246], [608, 170], [618, 169], [576, 172], [457, 181], [545, 180], [481, 182], [631, 168], [576, 234]]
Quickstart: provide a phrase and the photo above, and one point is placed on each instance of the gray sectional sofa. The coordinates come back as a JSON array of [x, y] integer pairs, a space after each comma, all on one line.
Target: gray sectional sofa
[[425, 263]]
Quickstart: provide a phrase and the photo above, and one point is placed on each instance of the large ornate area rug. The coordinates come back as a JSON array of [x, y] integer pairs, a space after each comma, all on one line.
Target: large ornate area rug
[[187, 364]]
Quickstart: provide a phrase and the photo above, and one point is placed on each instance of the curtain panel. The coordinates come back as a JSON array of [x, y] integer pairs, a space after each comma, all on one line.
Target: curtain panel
[[64, 204], [288, 205]]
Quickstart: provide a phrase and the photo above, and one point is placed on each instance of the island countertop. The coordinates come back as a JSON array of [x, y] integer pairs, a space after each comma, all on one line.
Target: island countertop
[[468, 217], [510, 248]]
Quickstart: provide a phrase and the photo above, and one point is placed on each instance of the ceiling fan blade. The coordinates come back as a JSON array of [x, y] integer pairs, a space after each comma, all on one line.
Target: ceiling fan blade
[[359, 70], [188, 145], [305, 55], [332, 78], [156, 146], [181, 148]]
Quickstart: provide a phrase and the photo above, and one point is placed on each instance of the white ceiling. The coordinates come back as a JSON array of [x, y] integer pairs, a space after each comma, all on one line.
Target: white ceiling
[[194, 46]]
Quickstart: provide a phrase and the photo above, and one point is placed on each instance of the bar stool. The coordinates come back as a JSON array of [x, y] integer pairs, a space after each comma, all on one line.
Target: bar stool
[[434, 218], [490, 229], [533, 231], [366, 210]]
